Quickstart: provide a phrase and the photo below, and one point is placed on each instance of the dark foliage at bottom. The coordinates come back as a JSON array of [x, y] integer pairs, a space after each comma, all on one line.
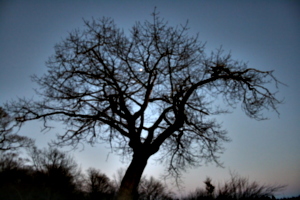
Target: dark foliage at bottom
[[53, 175]]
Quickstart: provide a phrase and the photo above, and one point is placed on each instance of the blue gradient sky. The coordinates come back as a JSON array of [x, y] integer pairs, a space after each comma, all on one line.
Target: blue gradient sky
[[264, 33]]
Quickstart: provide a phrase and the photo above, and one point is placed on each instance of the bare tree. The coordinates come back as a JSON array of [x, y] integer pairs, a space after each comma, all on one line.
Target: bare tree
[[8, 140], [152, 189], [147, 90], [59, 171], [98, 185], [11, 160]]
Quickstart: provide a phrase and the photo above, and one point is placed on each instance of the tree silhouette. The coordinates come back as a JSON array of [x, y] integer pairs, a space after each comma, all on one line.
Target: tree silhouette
[[152, 189], [151, 89], [14, 177], [98, 185], [51, 174], [209, 187], [9, 141], [57, 171]]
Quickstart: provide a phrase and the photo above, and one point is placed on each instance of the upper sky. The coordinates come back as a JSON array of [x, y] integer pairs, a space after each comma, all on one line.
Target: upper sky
[[263, 33]]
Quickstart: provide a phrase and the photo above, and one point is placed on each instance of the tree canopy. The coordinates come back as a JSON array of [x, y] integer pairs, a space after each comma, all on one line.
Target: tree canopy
[[152, 88]]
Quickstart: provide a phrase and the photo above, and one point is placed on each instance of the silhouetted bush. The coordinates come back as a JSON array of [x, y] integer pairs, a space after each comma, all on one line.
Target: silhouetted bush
[[241, 188], [237, 188]]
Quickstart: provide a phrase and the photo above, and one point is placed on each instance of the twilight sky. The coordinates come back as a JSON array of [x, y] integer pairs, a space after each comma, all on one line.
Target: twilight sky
[[263, 33]]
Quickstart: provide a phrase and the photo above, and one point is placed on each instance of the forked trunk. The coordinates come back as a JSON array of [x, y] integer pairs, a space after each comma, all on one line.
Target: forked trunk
[[132, 177]]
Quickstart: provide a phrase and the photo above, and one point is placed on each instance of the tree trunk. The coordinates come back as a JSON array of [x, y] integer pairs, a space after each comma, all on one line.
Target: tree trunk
[[132, 177]]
